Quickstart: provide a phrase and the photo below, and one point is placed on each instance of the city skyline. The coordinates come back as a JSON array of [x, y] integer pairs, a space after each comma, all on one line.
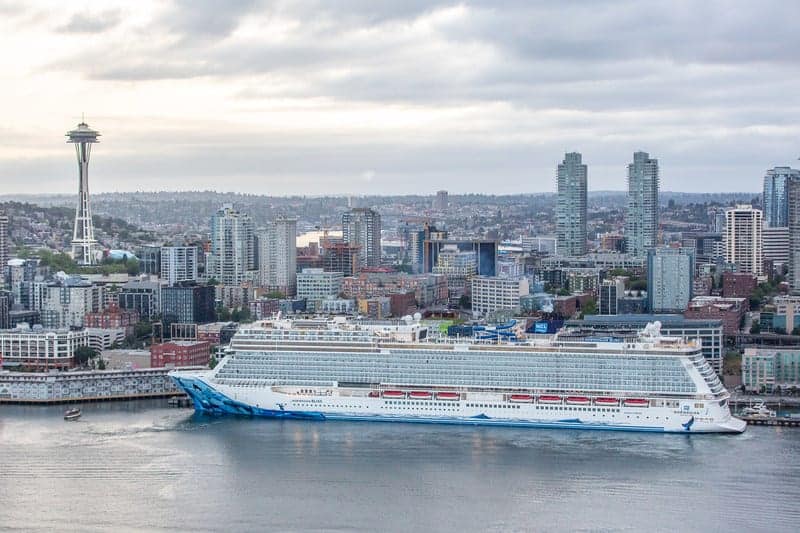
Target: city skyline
[[299, 104]]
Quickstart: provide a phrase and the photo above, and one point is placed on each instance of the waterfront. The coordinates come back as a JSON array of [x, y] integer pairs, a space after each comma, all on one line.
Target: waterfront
[[144, 466]]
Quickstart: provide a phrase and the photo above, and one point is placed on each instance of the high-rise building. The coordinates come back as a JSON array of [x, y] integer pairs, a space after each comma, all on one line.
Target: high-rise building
[[490, 294], [187, 304], [611, 291], [4, 243], [641, 220], [315, 285], [66, 302], [5, 307], [571, 205], [415, 245], [232, 246], [341, 257], [743, 238], [362, 226], [441, 202], [178, 263], [483, 251], [276, 250], [776, 206], [141, 296], [776, 245], [83, 241], [149, 260], [793, 220], [670, 274]]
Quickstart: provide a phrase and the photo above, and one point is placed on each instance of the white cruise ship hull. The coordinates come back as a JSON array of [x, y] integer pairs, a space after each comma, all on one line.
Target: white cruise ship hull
[[471, 408]]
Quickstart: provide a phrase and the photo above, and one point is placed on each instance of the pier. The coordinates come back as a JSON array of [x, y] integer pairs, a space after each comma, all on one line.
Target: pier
[[87, 386], [776, 421]]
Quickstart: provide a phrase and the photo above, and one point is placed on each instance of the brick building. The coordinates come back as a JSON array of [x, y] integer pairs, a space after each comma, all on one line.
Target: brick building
[[730, 311], [738, 284], [180, 353], [113, 318]]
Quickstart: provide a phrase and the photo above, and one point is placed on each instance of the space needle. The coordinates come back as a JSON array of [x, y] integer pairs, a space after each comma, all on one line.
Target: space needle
[[83, 236]]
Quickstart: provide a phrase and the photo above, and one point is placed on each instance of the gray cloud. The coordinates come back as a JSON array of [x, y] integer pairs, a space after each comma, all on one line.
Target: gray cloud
[[712, 89], [84, 22]]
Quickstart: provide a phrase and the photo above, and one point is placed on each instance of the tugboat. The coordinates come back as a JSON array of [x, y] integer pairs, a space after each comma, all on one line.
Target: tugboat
[[72, 414]]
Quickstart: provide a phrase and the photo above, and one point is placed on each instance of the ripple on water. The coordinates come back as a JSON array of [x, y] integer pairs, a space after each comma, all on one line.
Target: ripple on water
[[151, 468]]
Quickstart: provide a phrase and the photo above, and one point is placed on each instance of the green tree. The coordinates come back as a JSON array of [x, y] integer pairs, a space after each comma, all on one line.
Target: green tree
[[755, 328], [241, 315], [464, 302], [142, 329], [590, 308], [83, 354], [223, 314]]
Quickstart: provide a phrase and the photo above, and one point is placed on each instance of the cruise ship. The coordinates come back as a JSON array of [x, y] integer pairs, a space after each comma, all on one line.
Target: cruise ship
[[339, 369]]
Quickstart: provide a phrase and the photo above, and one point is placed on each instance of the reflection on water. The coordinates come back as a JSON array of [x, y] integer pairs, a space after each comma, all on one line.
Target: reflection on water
[[146, 467]]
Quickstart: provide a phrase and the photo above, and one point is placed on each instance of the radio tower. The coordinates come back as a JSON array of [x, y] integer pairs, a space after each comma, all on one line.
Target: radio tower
[[83, 237]]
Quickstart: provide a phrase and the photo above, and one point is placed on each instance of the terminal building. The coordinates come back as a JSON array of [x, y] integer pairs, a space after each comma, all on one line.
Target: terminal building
[[40, 349]]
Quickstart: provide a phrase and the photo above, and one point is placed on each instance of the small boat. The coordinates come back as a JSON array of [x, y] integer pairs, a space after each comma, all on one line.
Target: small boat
[[606, 401], [72, 414], [420, 395], [374, 394], [636, 402], [520, 398], [578, 400], [759, 410], [451, 396], [549, 399], [394, 394]]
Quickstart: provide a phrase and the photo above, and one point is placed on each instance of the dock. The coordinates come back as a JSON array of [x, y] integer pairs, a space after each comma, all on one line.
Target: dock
[[179, 401], [87, 386], [776, 421]]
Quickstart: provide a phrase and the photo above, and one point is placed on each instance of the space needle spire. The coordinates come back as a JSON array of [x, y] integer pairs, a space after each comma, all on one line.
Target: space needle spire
[[83, 236]]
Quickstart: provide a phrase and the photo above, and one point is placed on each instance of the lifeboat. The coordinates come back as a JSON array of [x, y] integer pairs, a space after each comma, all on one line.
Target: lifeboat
[[394, 394], [636, 402], [578, 400], [447, 396], [520, 398], [549, 399], [420, 395], [374, 394], [606, 401]]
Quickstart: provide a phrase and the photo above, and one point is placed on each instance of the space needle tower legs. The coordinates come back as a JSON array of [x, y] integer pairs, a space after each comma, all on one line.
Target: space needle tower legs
[[83, 242]]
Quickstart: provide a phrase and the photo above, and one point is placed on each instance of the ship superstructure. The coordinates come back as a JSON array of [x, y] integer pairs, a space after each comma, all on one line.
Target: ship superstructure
[[337, 369]]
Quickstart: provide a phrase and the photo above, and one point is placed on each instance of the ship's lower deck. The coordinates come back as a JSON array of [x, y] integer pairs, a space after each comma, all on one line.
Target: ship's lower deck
[[489, 409]]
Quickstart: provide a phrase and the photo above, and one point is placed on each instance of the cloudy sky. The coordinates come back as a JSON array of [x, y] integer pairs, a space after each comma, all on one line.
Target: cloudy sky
[[314, 97]]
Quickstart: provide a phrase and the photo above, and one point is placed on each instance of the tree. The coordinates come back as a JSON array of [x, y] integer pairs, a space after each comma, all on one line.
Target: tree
[[241, 315], [464, 302], [83, 354], [755, 329], [223, 314], [590, 308], [142, 329], [101, 364]]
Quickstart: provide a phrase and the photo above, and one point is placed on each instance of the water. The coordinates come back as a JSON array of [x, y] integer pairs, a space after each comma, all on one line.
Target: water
[[143, 466]]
